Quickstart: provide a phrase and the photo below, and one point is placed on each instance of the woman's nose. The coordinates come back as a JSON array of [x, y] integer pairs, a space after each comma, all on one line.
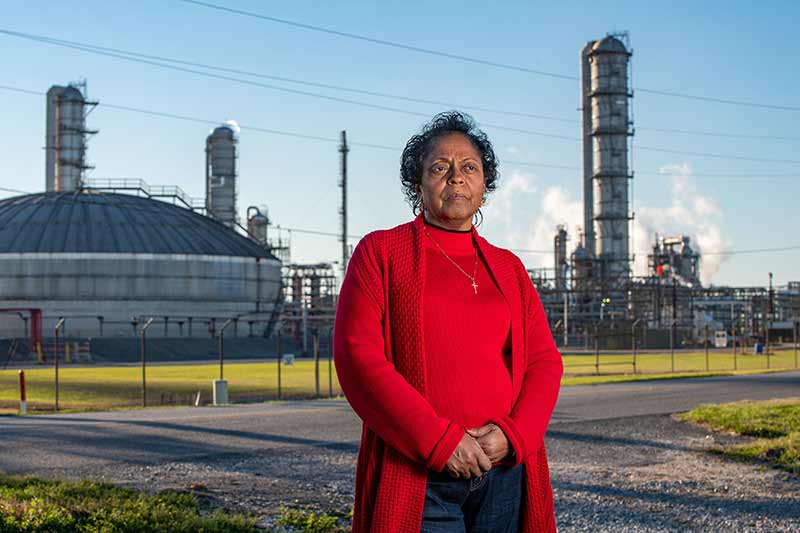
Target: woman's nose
[[456, 176]]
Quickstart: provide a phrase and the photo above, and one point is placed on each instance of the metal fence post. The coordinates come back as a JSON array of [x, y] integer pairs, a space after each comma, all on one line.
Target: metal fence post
[[222, 345], [633, 339], [769, 362], [796, 327], [706, 330], [59, 325], [596, 350], [330, 362], [316, 361], [220, 386], [280, 356], [144, 361], [672, 345], [735, 355], [23, 399]]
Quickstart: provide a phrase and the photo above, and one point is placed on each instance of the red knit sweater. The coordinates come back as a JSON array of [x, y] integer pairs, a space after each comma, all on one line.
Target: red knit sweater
[[467, 335], [381, 360]]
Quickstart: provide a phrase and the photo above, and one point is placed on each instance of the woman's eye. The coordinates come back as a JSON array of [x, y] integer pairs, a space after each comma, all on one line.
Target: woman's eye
[[438, 169]]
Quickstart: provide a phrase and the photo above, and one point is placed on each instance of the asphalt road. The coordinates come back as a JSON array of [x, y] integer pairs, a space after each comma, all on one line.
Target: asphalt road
[[75, 445]]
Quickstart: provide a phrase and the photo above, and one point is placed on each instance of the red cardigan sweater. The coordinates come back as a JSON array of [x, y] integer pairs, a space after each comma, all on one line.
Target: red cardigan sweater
[[380, 360]]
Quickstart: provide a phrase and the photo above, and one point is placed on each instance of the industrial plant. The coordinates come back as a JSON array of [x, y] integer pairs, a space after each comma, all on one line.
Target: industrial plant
[[113, 258], [591, 297]]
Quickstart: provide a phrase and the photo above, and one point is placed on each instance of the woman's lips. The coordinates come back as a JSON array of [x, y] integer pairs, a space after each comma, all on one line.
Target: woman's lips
[[456, 196]]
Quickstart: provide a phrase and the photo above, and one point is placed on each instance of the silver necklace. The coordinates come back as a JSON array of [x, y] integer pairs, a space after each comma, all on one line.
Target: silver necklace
[[474, 268]]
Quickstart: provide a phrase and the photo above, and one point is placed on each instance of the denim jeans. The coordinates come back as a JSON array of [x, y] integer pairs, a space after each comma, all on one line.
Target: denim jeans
[[486, 504]]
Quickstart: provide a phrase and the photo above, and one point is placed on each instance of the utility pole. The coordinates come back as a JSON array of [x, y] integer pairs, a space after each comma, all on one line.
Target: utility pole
[[343, 149]]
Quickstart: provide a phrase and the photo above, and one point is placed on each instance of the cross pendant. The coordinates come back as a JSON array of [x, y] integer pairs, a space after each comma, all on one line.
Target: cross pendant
[[475, 287]]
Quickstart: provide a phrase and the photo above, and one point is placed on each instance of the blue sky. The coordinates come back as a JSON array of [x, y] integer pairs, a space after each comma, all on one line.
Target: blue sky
[[731, 50]]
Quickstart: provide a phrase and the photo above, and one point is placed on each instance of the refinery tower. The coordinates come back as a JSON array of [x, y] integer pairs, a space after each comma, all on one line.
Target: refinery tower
[[65, 137], [607, 126]]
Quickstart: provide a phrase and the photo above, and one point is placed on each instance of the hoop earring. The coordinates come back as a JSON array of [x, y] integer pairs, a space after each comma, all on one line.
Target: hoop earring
[[478, 218]]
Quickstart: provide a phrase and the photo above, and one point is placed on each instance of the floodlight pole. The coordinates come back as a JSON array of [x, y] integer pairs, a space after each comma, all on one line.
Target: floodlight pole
[[59, 325]]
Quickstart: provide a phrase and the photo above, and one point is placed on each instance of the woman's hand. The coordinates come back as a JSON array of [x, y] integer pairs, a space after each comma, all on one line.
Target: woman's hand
[[492, 441], [468, 460]]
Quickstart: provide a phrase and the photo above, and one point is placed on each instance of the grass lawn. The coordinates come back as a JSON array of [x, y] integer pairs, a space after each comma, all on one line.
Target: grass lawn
[[114, 387], [774, 423], [31, 504], [694, 361], [97, 388]]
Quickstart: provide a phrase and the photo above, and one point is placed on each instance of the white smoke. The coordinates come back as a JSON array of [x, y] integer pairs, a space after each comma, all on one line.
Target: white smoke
[[690, 213], [556, 208], [509, 202], [529, 215]]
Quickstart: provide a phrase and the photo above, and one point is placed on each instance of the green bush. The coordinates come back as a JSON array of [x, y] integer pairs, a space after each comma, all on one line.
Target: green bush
[[31, 504], [310, 522]]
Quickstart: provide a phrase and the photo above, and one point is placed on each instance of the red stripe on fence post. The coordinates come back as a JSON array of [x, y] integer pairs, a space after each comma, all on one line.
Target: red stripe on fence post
[[23, 403]]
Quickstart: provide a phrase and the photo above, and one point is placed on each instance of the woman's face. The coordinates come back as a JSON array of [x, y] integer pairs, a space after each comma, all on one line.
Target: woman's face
[[452, 182]]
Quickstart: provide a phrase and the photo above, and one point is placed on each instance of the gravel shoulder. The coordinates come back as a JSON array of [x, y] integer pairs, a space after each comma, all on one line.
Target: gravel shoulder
[[655, 473], [643, 473]]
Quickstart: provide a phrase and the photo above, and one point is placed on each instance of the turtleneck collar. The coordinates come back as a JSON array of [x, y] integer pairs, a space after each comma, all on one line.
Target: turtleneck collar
[[452, 241]]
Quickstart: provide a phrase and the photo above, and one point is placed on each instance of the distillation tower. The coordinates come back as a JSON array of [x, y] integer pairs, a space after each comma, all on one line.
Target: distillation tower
[[221, 154], [607, 125], [65, 137]]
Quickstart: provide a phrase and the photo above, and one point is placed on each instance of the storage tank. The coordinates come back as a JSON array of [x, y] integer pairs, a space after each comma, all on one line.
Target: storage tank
[[257, 223], [65, 138], [104, 259], [221, 187]]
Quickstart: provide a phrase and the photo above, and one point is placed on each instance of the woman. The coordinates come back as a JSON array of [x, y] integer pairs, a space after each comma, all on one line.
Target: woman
[[443, 349]]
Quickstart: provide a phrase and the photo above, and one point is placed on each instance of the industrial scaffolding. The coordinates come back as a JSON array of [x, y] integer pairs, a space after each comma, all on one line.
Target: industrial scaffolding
[[310, 297]]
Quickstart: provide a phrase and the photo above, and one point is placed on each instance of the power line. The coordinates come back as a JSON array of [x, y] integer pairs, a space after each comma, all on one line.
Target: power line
[[751, 175], [382, 41], [728, 101], [239, 80], [284, 133], [518, 250], [403, 111], [13, 190], [316, 232], [469, 59], [83, 46], [534, 251], [89, 47], [716, 156], [198, 120], [299, 92], [755, 250], [701, 133], [320, 138]]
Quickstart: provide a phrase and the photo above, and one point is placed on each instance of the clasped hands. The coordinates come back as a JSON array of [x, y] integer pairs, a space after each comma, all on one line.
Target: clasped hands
[[478, 449]]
